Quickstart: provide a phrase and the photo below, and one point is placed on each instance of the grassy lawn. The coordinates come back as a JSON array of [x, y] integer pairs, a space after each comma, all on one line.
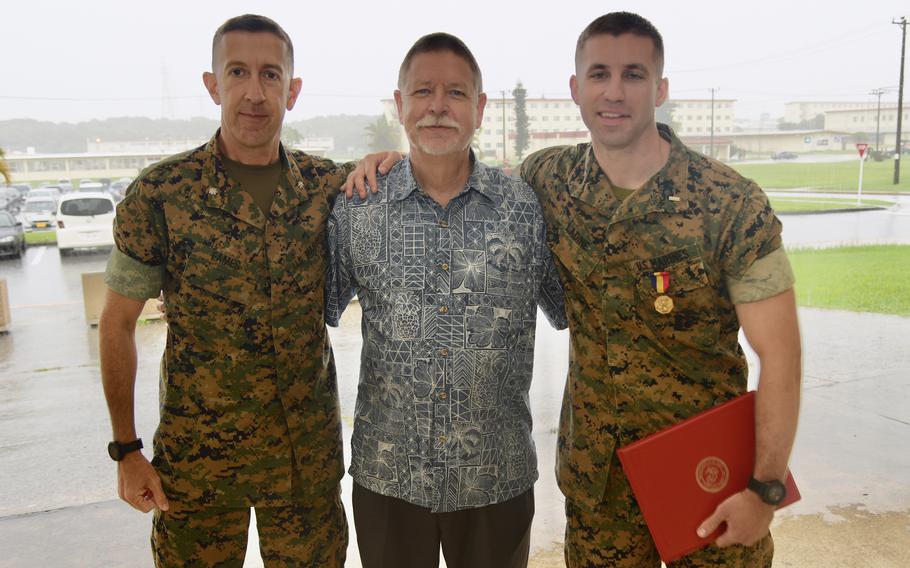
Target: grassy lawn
[[41, 238], [828, 176], [804, 204], [859, 279]]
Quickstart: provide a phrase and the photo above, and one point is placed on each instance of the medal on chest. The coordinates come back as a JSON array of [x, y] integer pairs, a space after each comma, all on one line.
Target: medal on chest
[[661, 282]]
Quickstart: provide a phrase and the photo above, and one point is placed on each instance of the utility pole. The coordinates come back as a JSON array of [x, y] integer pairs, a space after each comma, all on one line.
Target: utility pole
[[712, 122], [900, 101], [503, 128], [878, 117]]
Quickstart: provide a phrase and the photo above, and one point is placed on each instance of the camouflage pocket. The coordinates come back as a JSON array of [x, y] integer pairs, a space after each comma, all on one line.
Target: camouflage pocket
[[214, 297], [683, 309]]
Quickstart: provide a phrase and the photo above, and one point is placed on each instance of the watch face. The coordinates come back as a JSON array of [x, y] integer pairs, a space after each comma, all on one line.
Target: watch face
[[113, 450], [776, 492]]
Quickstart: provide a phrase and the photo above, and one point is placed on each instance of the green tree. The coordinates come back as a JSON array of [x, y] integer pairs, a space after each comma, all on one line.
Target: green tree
[[522, 134], [4, 167], [383, 135], [664, 114], [290, 136]]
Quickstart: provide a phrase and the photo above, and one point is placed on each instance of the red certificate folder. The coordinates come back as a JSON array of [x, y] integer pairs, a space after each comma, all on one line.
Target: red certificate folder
[[682, 473]]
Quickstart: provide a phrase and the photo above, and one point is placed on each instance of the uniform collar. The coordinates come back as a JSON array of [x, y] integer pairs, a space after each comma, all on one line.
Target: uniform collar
[[221, 192], [402, 182], [666, 191]]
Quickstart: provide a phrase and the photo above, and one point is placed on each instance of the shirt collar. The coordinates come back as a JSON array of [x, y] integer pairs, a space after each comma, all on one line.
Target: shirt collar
[[402, 182]]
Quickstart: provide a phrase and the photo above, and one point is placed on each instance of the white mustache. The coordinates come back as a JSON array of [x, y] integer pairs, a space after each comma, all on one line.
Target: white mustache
[[445, 122]]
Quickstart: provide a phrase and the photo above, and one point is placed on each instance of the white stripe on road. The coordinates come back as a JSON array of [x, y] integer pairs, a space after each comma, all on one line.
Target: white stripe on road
[[36, 258]]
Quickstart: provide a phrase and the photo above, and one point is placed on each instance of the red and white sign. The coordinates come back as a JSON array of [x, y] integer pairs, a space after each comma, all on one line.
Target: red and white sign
[[862, 149]]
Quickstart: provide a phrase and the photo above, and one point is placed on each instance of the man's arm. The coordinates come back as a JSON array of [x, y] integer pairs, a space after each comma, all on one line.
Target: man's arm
[[137, 482], [771, 327], [364, 175]]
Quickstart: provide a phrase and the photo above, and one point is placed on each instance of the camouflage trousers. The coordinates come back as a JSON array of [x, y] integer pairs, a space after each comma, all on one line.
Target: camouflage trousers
[[615, 535], [312, 533]]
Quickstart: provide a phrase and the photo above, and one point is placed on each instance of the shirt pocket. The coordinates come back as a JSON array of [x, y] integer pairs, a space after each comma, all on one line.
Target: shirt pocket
[[215, 295], [572, 258], [685, 312]]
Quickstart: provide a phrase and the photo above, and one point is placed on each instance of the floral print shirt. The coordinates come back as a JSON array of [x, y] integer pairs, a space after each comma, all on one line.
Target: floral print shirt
[[449, 298]]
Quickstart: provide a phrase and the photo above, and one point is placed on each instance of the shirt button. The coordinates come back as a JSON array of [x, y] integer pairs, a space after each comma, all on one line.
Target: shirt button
[[442, 395], [444, 352], [443, 309], [443, 223], [442, 439], [444, 266]]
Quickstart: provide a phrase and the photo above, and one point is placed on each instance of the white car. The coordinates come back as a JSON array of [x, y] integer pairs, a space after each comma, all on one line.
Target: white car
[[38, 213], [85, 219]]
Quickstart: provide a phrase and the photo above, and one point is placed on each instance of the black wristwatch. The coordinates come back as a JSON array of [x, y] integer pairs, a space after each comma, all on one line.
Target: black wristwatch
[[771, 492], [118, 451]]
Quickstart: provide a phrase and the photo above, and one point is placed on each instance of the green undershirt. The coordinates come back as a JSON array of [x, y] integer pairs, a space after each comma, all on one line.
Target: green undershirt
[[260, 182]]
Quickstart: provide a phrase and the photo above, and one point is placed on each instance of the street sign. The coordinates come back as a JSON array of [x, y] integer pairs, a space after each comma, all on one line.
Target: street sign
[[862, 149]]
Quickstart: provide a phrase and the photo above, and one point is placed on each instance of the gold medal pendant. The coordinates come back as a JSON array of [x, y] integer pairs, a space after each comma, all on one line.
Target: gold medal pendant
[[663, 304]]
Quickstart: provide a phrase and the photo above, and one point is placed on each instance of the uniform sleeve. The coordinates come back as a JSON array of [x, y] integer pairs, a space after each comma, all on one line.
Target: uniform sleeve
[[135, 268], [753, 232], [534, 169], [768, 276], [334, 176], [551, 298], [339, 282]]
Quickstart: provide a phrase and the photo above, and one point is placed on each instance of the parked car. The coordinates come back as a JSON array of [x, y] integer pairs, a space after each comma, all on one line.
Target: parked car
[[23, 188], [12, 238], [10, 200], [118, 188], [65, 185], [38, 213], [784, 156], [52, 193], [85, 219], [92, 186]]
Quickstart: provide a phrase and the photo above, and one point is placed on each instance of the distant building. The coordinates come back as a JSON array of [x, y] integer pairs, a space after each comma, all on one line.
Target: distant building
[[802, 141], [162, 147], [693, 116], [865, 121], [556, 122], [796, 112]]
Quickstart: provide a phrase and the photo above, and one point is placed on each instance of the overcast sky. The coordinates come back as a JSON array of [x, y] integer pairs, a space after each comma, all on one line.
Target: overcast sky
[[72, 61]]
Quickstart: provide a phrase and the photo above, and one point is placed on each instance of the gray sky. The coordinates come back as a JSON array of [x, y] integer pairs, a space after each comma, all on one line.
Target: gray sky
[[73, 61]]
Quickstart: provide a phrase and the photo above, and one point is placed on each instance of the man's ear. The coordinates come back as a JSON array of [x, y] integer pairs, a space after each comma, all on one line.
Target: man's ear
[[397, 96], [573, 88], [294, 92], [211, 85], [663, 91]]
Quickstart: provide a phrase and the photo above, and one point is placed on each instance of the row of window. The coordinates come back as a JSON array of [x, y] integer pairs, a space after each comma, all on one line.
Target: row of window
[[885, 118], [708, 117], [697, 129]]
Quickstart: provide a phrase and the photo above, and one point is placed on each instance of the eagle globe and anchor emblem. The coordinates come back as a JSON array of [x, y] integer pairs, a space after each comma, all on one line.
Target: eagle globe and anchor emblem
[[712, 474]]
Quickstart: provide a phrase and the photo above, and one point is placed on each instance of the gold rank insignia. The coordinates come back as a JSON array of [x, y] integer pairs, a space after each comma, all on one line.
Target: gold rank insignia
[[661, 282]]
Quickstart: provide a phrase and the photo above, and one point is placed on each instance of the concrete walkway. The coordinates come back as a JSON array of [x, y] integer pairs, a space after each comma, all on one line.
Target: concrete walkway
[[58, 504]]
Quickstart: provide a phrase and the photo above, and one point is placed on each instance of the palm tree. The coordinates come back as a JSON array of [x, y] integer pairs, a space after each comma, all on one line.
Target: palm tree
[[4, 167]]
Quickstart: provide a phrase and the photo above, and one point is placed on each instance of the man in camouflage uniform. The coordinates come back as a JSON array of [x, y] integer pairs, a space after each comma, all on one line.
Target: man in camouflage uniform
[[232, 233], [663, 254]]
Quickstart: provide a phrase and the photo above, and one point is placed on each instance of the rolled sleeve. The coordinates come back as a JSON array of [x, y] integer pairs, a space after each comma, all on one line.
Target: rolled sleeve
[[131, 278], [768, 276]]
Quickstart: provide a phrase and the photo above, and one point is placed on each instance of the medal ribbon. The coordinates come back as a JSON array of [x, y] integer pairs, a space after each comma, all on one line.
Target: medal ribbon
[[661, 281]]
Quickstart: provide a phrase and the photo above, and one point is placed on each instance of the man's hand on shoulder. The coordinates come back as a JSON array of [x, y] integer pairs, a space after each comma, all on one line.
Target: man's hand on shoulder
[[139, 485], [364, 175], [748, 519]]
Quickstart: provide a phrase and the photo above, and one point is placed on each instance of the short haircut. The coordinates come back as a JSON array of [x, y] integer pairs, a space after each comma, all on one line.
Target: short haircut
[[441, 41], [618, 23], [255, 24]]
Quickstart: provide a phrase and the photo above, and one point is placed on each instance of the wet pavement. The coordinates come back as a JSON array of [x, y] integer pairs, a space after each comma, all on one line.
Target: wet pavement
[[58, 502]]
